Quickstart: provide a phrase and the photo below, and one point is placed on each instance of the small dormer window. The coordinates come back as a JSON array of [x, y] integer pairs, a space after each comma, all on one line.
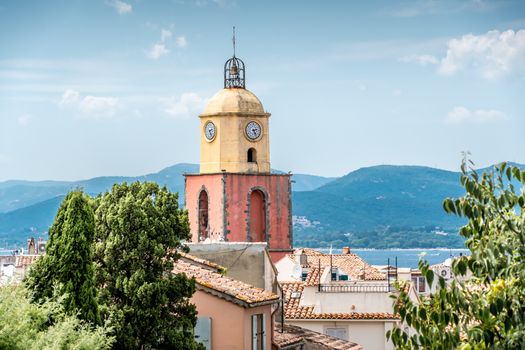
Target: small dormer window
[[252, 155], [343, 277], [304, 275], [334, 274]]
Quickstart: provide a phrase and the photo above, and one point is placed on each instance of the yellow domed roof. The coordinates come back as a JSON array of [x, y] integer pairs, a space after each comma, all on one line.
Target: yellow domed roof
[[234, 100]]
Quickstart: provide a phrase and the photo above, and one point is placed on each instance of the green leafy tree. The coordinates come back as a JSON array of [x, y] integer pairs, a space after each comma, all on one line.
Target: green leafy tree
[[139, 230], [67, 267], [487, 311], [25, 325]]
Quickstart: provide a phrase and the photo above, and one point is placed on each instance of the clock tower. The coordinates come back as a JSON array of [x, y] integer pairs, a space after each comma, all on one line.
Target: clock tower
[[235, 197]]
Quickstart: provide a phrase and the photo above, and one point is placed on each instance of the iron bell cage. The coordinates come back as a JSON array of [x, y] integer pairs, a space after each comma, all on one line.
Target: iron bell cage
[[234, 73]]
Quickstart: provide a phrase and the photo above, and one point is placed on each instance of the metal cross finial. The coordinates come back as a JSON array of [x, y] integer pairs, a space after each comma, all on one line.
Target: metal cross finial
[[233, 41]]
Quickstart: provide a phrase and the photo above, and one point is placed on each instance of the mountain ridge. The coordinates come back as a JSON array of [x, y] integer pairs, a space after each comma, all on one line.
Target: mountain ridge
[[370, 199]]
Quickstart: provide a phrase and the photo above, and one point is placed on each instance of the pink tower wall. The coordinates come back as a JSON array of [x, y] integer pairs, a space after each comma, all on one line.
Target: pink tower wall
[[213, 185], [278, 220], [229, 206]]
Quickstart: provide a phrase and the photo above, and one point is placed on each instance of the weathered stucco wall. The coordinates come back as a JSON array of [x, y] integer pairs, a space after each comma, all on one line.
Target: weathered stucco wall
[[229, 206], [278, 219], [369, 334], [230, 323], [247, 262], [214, 187], [346, 302]]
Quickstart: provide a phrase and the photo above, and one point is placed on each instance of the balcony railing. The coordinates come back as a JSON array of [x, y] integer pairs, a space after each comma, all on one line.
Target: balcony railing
[[355, 288]]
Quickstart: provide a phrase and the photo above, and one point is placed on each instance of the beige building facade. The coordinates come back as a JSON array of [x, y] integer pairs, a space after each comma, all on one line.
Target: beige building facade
[[234, 134]]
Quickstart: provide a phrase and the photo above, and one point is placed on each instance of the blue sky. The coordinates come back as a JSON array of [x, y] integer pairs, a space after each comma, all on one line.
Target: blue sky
[[109, 87]]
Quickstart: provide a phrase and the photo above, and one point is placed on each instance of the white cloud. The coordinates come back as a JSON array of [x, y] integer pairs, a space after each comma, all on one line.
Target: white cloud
[[157, 51], [99, 106], [493, 55], [160, 48], [463, 115], [165, 35], [422, 60], [69, 98], [121, 6], [189, 104], [89, 106], [181, 41]]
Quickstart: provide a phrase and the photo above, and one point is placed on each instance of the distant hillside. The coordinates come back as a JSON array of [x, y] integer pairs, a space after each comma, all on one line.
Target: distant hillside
[[379, 206], [382, 195], [383, 207], [19, 194], [31, 205], [18, 225]]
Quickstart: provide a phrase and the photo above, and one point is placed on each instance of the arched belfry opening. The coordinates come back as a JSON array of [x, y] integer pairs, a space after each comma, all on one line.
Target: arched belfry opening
[[257, 223], [203, 216], [252, 155]]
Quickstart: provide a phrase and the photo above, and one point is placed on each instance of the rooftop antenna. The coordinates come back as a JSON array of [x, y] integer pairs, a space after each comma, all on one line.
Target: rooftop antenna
[[234, 70], [233, 39]]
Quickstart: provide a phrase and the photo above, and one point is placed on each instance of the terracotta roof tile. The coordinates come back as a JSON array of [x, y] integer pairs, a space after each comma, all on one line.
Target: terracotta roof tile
[[203, 262], [23, 261], [208, 279], [294, 310], [294, 335], [312, 279], [352, 264]]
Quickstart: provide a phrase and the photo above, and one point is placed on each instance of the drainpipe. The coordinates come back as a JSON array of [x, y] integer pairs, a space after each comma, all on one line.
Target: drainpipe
[[319, 276], [388, 273]]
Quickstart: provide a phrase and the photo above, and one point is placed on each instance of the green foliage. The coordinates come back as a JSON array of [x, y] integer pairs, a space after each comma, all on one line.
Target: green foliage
[[488, 311], [139, 229], [67, 269], [24, 325]]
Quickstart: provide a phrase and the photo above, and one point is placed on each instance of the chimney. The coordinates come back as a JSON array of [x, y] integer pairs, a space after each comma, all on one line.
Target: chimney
[[303, 259], [346, 250]]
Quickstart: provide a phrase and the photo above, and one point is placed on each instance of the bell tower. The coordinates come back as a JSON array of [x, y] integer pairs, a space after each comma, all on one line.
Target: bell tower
[[235, 197], [234, 127]]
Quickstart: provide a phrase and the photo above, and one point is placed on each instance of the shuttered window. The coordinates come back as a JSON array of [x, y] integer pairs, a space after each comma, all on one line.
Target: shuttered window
[[258, 332]]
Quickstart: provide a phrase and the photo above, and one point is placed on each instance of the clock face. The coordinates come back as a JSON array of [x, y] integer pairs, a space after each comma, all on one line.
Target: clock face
[[209, 130], [253, 130]]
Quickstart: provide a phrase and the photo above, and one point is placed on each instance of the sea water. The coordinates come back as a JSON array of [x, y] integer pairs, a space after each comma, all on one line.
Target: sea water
[[405, 257]]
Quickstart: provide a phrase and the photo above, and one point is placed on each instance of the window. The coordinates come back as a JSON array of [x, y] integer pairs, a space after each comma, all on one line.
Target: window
[[334, 274], [203, 215], [304, 275], [343, 277], [421, 284], [337, 332], [257, 223], [258, 332], [202, 332], [252, 155]]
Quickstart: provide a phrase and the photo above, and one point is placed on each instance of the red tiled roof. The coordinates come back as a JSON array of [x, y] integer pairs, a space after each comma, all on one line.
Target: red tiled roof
[[352, 264], [23, 261], [214, 283], [293, 309], [203, 262], [293, 335]]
